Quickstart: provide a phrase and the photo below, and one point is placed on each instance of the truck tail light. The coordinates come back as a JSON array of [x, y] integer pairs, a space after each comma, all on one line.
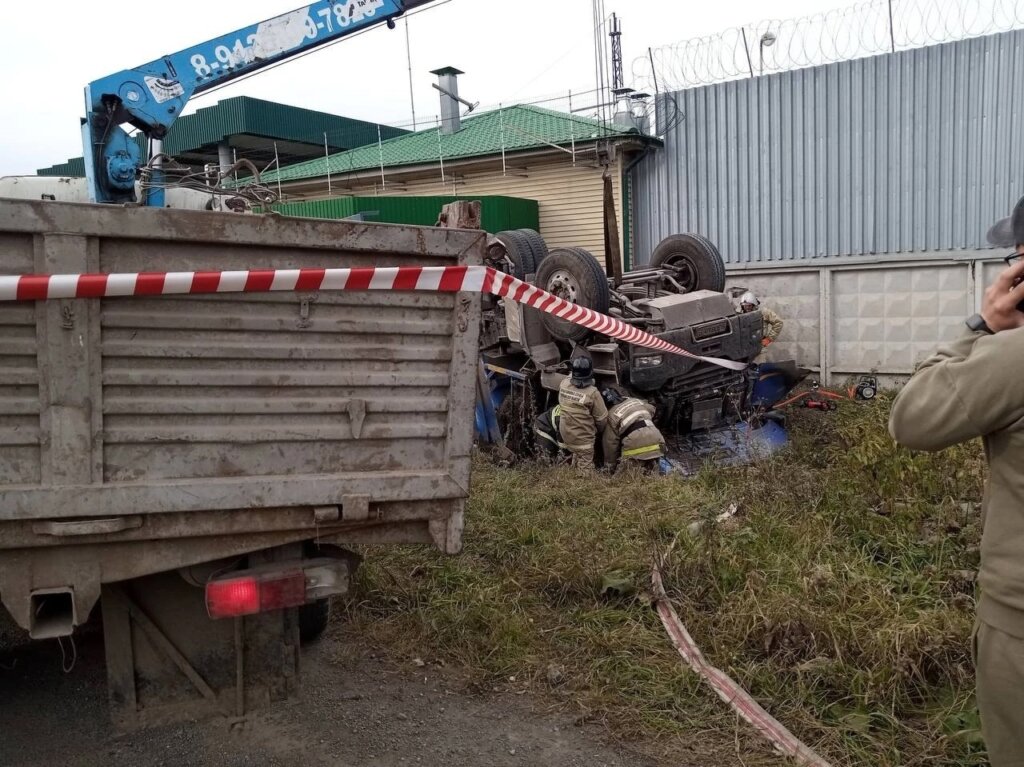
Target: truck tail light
[[238, 596], [276, 586], [251, 594]]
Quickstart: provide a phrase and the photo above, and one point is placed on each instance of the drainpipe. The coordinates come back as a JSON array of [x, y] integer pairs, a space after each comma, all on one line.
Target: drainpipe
[[628, 202], [638, 160]]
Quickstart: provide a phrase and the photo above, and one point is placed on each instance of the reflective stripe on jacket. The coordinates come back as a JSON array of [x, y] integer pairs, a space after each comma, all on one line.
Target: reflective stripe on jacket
[[631, 428], [583, 415]]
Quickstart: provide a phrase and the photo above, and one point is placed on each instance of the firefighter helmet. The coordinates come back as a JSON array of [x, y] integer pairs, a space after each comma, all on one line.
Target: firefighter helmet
[[582, 372], [611, 397]]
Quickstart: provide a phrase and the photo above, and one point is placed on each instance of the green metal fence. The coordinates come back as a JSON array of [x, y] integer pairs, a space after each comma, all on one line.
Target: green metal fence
[[498, 213]]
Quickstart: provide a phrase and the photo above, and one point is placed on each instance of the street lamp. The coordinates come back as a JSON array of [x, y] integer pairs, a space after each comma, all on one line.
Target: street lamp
[[767, 41]]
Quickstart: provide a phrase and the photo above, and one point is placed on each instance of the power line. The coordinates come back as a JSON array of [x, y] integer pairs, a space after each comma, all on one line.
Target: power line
[[413, 123], [537, 101], [315, 50], [559, 60]]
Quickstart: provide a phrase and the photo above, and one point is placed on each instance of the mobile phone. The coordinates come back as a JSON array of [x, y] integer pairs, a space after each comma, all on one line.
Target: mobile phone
[[1010, 259], [1020, 304]]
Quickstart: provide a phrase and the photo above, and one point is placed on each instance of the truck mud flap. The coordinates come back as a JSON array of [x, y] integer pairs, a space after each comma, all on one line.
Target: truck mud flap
[[167, 661]]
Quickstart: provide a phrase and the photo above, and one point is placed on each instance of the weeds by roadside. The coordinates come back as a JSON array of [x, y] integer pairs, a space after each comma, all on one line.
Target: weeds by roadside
[[841, 595]]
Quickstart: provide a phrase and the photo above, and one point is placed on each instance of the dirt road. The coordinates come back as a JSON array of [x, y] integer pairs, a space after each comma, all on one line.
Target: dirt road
[[356, 709]]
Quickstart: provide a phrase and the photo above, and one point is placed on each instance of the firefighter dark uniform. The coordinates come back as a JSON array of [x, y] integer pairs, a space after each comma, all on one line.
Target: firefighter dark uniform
[[545, 426]]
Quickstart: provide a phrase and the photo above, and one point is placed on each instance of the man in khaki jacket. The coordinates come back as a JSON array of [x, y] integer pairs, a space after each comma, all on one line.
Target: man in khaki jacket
[[583, 414], [772, 323], [972, 387], [631, 428]]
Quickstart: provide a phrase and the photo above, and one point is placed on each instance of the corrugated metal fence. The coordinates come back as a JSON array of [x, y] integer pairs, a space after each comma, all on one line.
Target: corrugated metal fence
[[918, 151]]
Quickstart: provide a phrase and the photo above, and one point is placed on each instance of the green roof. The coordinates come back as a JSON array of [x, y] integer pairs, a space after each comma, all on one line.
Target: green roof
[[75, 167], [243, 114], [198, 134], [515, 129]]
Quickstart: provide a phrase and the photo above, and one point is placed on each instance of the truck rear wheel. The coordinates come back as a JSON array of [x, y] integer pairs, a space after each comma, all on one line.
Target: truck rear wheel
[[313, 619], [696, 259], [536, 244], [574, 275], [520, 253]]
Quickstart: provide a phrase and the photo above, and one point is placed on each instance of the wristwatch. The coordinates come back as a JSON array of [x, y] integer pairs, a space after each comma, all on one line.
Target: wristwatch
[[977, 323]]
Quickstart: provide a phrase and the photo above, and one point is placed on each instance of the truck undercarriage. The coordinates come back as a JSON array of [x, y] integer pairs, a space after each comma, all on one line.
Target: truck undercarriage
[[679, 298]]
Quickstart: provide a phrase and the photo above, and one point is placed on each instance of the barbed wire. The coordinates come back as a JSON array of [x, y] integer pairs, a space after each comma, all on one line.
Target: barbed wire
[[864, 29]]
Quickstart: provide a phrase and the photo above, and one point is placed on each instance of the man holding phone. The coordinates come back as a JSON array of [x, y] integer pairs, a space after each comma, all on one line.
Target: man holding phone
[[969, 388]]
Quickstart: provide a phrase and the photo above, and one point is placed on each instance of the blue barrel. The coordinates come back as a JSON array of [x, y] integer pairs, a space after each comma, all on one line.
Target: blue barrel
[[771, 386]]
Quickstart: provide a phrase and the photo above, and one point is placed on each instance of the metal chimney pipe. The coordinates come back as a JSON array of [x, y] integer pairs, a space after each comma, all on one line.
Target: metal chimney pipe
[[448, 85]]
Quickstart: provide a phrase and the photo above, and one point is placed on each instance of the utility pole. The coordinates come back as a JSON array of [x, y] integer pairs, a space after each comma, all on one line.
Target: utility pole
[[408, 56]]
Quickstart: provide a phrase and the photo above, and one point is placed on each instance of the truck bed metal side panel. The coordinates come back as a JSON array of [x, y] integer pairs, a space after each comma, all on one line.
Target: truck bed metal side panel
[[288, 404], [19, 376]]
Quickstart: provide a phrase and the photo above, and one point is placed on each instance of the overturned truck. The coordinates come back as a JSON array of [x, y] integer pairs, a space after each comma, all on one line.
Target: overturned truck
[[678, 298]]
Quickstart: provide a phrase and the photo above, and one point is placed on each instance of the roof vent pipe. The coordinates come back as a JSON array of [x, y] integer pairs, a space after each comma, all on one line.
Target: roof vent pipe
[[448, 85]]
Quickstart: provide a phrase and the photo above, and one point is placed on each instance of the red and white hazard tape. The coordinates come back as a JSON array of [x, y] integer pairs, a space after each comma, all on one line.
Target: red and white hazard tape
[[448, 279], [728, 690]]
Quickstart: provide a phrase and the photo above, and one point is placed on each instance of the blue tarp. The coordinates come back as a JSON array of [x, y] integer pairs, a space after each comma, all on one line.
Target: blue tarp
[[728, 446]]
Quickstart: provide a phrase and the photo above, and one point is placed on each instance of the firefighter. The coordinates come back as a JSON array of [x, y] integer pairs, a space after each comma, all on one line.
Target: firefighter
[[545, 426], [583, 413], [631, 429], [772, 323]]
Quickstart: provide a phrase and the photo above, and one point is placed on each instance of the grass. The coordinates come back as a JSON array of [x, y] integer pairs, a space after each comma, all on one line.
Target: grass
[[841, 595]]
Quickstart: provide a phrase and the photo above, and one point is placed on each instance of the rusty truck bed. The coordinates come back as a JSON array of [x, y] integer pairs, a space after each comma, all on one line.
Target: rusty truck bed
[[143, 434]]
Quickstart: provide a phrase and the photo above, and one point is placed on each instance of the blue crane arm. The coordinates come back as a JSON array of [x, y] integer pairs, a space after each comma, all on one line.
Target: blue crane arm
[[152, 96]]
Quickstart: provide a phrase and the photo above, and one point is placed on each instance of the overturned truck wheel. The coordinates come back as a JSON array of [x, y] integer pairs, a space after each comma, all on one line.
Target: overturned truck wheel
[[695, 258], [538, 248], [573, 275], [520, 252]]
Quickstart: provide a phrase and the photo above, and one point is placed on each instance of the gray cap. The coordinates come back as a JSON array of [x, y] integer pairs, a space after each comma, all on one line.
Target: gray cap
[[1008, 232]]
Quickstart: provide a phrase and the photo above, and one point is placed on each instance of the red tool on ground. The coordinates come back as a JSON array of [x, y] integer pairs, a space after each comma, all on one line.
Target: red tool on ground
[[823, 399]]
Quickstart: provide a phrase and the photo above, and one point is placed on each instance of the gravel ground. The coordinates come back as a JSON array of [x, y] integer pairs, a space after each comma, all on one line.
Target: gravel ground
[[356, 709]]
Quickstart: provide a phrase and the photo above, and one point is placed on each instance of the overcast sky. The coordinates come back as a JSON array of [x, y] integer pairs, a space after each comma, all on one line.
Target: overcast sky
[[511, 52]]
